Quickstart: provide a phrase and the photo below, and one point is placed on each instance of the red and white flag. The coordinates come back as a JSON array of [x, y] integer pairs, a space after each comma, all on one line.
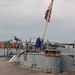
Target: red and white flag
[[48, 12]]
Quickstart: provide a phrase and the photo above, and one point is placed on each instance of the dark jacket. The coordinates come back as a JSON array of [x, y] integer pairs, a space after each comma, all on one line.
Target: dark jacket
[[38, 43]]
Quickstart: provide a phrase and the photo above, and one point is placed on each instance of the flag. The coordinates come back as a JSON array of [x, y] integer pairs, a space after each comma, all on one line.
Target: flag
[[48, 12]]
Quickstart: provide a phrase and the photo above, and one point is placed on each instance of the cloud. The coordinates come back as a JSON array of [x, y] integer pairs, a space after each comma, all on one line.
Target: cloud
[[25, 19]]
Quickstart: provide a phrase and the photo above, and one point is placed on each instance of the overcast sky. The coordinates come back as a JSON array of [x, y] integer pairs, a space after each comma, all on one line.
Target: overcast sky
[[25, 19]]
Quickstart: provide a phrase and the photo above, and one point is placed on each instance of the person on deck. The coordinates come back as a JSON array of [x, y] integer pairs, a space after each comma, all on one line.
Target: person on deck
[[38, 44]]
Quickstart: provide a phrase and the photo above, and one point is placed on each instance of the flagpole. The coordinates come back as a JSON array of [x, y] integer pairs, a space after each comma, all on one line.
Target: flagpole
[[46, 25], [47, 20], [45, 30]]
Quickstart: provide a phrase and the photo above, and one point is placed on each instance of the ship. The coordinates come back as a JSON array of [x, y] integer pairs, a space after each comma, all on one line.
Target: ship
[[53, 58]]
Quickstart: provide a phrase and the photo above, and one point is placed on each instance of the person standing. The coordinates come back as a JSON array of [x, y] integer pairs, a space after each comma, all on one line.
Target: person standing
[[38, 44]]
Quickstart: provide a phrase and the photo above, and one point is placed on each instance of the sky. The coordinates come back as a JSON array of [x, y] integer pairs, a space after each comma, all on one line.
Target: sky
[[25, 19]]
